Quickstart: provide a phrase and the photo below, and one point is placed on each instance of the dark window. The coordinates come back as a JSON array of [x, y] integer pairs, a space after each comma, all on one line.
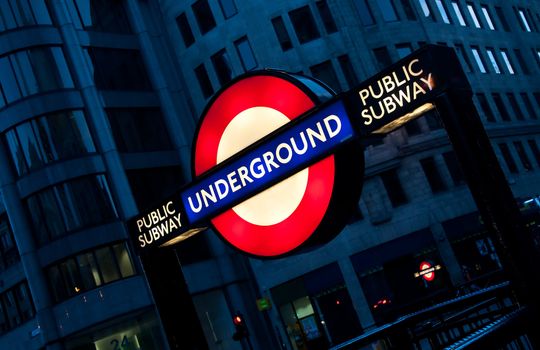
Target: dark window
[[522, 156], [185, 29], [433, 175], [502, 18], [409, 11], [464, 58], [88, 270], [528, 105], [20, 13], [203, 15], [325, 72], [537, 98], [304, 24], [243, 48], [388, 10], [64, 208], [228, 7], [204, 81], [138, 129], [365, 12], [484, 105], [9, 255], [220, 61], [521, 61], [513, 102], [510, 163], [118, 69], [281, 33], [326, 16], [503, 112], [99, 15], [393, 187], [454, 168], [433, 120], [49, 138], [16, 307], [535, 150], [151, 185], [413, 128], [382, 57], [348, 70]]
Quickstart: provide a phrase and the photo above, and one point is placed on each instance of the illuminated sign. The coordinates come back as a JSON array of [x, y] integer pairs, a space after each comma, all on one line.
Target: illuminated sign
[[427, 271]]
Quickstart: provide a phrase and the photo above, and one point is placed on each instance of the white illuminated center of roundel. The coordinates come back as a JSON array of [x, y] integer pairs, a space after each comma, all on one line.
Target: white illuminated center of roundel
[[278, 202]]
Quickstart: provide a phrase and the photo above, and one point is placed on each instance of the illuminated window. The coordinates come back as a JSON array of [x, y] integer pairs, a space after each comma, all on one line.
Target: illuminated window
[[281, 33], [507, 62], [425, 9], [515, 106], [220, 61], [403, 50], [203, 15], [484, 105], [304, 24], [408, 9], [522, 19], [185, 29], [472, 13], [326, 16], [243, 48], [503, 112], [366, 17], [508, 159], [493, 61], [393, 187], [478, 59], [528, 105], [388, 10], [535, 150], [485, 12], [228, 7], [204, 80], [502, 18], [459, 15], [442, 11], [524, 159], [435, 180]]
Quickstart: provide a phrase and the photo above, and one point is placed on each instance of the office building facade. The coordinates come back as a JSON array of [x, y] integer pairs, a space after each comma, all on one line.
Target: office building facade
[[99, 104]]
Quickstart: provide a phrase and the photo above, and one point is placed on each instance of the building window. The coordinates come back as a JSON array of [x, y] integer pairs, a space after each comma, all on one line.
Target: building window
[[204, 81], [460, 50], [73, 205], [243, 48], [325, 72], [326, 16], [49, 138], [435, 180], [484, 105], [535, 150], [348, 70], [403, 50], [9, 255], [185, 29], [20, 13], [528, 105], [393, 187], [388, 10], [222, 67], [138, 129], [485, 12], [522, 19], [515, 106], [493, 61], [99, 15], [510, 163], [304, 24], [442, 11], [204, 16], [426, 10], [151, 185], [459, 15], [536, 53], [408, 9], [502, 18], [89, 270], [452, 163], [472, 13], [503, 112], [366, 17], [521, 61], [118, 69], [478, 59], [507, 62], [16, 307], [523, 156], [281, 33], [33, 71], [228, 7], [382, 56]]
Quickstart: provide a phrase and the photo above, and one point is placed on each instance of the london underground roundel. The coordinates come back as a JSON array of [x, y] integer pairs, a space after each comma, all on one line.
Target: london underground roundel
[[307, 208]]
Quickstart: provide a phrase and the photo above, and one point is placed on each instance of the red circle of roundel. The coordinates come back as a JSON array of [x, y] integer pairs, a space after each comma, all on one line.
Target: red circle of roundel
[[289, 99]]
